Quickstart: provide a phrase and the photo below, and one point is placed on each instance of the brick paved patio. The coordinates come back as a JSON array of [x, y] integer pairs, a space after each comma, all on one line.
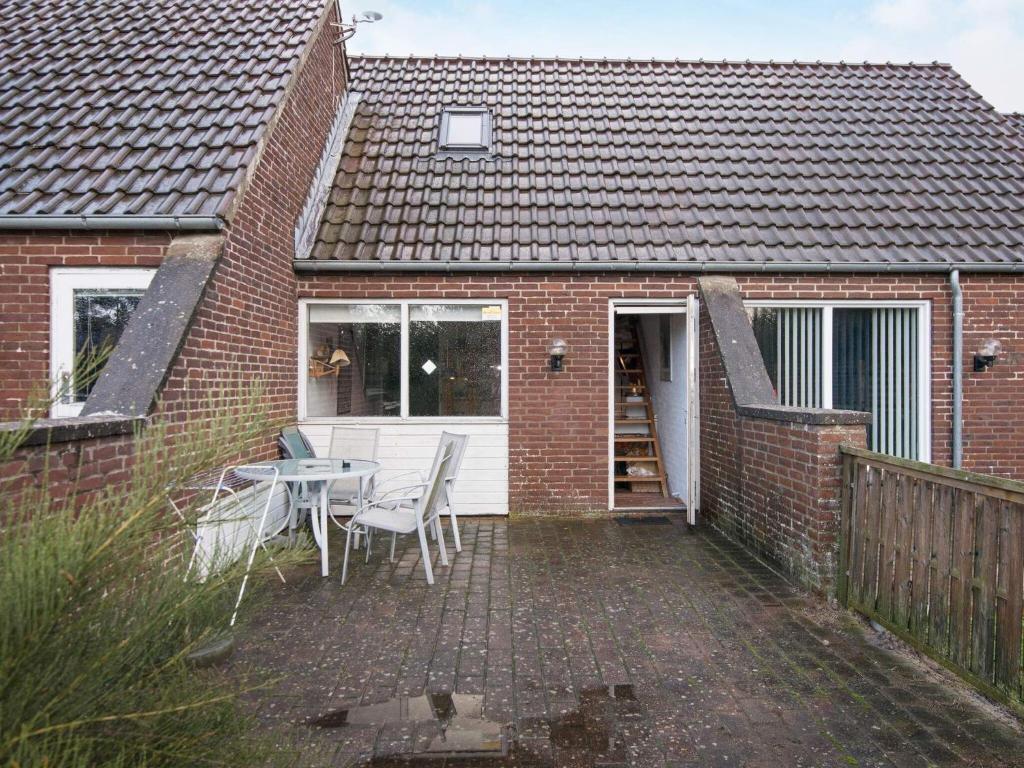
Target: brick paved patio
[[603, 644]]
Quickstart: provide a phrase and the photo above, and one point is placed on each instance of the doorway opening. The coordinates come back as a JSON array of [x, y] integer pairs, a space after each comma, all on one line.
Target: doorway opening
[[652, 372]]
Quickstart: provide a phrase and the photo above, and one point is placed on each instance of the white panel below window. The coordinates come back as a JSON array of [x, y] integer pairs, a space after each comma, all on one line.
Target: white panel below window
[[482, 487]]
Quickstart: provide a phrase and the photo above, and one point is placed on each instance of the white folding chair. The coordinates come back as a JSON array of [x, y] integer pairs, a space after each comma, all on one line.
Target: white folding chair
[[457, 443], [237, 520], [412, 511], [459, 446], [351, 443]]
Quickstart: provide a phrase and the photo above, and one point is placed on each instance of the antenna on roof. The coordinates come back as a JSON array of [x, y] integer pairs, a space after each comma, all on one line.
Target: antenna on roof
[[348, 30]]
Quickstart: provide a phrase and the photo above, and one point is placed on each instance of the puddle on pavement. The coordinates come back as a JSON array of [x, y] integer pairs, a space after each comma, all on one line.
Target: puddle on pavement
[[443, 725], [451, 728]]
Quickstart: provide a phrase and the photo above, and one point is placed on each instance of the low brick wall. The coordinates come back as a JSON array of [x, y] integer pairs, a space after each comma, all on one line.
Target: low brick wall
[[782, 500], [770, 476], [71, 468]]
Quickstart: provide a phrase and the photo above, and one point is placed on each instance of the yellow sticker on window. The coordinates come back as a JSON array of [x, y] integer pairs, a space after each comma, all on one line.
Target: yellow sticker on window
[[490, 313]]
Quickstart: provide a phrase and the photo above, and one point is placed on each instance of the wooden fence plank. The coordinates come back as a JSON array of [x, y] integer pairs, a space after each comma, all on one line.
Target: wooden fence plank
[[1010, 599], [869, 581], [921, 573], [938, 558], [941, 564], [903, 553], [983, 610], [887, 543], [857, 529], [998, 487], [960, 593], [847, 524]]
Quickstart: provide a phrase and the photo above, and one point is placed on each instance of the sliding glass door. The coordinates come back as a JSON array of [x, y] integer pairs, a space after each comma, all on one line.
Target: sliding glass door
[[861, 358]]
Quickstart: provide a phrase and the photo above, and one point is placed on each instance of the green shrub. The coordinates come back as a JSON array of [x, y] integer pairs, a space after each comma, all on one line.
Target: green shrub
[[96, 617]]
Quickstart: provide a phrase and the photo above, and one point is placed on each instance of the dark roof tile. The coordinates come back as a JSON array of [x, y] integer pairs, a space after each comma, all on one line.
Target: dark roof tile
[[616, 160], [129, 107]]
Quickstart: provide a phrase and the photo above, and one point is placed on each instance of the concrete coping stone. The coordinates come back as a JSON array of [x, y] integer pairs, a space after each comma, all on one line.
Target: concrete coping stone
[[748, 379], [821, 416], [67, 430], [144, 354]]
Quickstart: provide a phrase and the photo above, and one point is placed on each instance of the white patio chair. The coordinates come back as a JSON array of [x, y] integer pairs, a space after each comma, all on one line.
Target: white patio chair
[[238, 520], [351, 443], [458, 445], [413, 511]]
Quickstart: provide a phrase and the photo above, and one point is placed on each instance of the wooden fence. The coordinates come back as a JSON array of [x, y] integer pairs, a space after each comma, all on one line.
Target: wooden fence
[[936, 555]]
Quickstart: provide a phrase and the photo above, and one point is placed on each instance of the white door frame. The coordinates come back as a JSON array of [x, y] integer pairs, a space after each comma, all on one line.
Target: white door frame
[[687, 306]]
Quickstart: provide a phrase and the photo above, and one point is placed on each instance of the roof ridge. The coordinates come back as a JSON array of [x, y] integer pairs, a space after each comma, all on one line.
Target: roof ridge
[[653, 60]]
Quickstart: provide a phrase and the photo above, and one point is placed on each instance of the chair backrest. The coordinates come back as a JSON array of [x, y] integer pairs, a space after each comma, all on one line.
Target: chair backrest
[[353, 443], [294, 444], [434, 495], [458, 443]]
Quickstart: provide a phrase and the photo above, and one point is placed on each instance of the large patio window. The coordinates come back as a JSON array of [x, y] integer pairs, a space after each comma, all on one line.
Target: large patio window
[[404, 359], [853, 357]]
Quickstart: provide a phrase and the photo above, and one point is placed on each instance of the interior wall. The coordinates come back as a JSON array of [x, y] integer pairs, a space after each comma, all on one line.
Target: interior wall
[[322, 393], [669, 397]]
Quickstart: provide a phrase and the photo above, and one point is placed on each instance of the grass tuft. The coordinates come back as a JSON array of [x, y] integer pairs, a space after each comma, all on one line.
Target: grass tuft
[[97, 617]]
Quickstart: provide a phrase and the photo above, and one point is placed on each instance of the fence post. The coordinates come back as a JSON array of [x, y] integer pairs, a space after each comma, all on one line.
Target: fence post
[[845, 532]]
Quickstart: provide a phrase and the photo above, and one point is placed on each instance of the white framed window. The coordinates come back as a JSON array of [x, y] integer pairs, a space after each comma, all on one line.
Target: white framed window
[[465, 130], [854, 355], [411, 359], [89, 308]]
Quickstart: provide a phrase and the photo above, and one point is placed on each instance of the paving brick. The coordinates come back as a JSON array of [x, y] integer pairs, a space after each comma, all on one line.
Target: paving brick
[[716, 679]]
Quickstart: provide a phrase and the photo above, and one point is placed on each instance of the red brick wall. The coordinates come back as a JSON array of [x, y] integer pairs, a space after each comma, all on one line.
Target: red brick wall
[[772, 485], [69, 468], [558, 422], [245, 327], [993, 399], [25, 261], [246, 323]]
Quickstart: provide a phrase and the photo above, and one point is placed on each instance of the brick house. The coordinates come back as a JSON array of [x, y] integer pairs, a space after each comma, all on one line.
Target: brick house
[[778, 248]]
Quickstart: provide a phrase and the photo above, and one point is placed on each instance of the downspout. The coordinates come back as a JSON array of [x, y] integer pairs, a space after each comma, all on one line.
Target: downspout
[[958, 367]]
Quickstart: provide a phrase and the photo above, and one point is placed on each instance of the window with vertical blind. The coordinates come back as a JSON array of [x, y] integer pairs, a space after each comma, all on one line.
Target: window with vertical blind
[[853, 357]]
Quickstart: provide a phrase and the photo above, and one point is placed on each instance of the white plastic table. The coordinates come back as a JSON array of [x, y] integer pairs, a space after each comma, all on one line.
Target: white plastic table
[[321, 472]]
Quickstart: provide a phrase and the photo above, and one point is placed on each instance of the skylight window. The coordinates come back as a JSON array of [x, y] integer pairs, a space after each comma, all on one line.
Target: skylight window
[[465, 131]]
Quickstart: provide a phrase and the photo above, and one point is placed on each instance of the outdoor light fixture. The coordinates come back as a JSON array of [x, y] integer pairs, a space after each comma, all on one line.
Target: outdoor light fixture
[[557, 351], [987, 355], [347, 30]]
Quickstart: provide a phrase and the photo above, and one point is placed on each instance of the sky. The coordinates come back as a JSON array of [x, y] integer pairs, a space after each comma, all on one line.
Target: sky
[[982, 39]]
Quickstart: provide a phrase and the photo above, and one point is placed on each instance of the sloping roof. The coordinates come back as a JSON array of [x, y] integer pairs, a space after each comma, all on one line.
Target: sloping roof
[[640, 161], [1016, 119], [139, 107]]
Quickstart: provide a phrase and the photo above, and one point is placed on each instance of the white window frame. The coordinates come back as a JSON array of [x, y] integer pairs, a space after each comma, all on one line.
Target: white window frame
[[64, 281], [404, 417], [445, 144], [924, 345]]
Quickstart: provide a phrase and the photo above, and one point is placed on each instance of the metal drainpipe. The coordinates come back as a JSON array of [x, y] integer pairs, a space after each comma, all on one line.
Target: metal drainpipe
[[958, 367]]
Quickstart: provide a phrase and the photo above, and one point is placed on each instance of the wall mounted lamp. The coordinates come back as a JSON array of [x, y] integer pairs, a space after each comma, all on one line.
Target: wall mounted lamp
[[987, 354], [325, 362], [557, 351]]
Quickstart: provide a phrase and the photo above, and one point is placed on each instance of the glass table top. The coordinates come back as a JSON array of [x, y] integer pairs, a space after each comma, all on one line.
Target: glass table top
[[308, 469]]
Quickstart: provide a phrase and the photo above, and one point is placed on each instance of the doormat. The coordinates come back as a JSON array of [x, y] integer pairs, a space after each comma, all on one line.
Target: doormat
[[645, 520]]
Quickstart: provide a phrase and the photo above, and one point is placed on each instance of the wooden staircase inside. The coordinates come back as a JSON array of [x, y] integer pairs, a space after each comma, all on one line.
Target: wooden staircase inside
[[638, 463]]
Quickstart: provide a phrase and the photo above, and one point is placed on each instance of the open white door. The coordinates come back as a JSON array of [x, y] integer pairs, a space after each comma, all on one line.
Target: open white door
[[692, 410]]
